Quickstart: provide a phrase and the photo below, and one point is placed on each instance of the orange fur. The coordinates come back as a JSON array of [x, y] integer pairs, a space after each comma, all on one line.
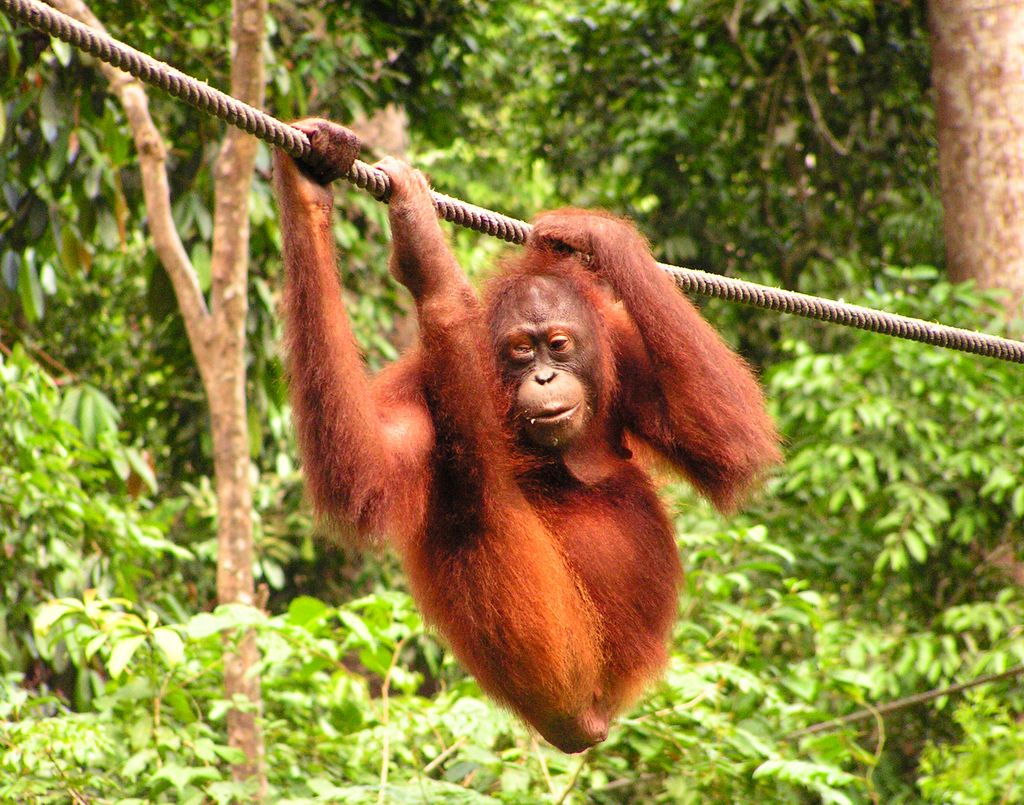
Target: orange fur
[[557, 592]]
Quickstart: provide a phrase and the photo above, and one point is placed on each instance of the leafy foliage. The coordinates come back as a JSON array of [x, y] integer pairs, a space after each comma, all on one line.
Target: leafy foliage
[[68, 520]]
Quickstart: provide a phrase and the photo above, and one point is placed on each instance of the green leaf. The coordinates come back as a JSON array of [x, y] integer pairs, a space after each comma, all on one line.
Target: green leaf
[[358, 628], [181, 776], [915, 546], [804, 687], [107, 417], [30, 291], [273, 574], [87, 418], [139, 762], [48, 279], [170, 643], [62, 50], [200, 38], [69, 405], [203, 265], [49, 613], [304, 609], [95, 644], [122, 654], [141, 467], [206, 624], [1018, 501]]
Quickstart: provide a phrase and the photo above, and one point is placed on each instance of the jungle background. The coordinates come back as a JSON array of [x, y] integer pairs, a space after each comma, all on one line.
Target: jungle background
[[785, 142]]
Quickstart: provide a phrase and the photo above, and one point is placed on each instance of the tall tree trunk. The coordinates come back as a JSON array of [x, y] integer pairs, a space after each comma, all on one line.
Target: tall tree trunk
[[978, 72], [216, 333], [225, 385]]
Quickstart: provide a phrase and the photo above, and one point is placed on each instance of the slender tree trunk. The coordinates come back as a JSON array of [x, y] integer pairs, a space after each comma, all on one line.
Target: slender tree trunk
[[235, 556], [225, 385], [978, 72]]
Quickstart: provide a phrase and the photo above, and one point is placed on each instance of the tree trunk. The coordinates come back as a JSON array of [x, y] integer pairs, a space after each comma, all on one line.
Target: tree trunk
[[225, 384], [235, 556], [978, 72]]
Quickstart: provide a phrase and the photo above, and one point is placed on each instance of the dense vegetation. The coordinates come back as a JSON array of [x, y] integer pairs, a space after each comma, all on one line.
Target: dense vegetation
[[787, 142]]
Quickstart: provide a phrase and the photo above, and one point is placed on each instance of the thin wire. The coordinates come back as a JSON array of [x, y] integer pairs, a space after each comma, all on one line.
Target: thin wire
[[265, 127]]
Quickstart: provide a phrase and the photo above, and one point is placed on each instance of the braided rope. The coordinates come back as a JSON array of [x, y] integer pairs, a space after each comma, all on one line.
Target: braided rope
[[844, 313], [259, 124]]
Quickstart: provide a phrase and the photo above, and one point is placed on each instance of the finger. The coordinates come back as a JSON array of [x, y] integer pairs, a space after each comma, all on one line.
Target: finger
[[387, 162], [395, 169], [333, 149]]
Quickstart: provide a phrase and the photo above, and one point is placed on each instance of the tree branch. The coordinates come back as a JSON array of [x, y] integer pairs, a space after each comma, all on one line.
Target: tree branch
[[812, 102], [907, 701]]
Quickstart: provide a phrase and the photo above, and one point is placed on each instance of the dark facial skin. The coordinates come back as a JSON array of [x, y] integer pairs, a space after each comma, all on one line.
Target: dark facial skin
[[548, 361]]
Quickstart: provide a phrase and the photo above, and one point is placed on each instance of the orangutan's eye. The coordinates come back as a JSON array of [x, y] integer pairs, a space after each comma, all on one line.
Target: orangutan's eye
[[521, 352], [560, 343]]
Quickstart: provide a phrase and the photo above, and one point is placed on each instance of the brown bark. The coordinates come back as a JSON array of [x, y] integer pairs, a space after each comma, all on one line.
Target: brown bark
[[226, 388], [216, 334], [978, 72]]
